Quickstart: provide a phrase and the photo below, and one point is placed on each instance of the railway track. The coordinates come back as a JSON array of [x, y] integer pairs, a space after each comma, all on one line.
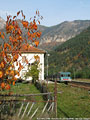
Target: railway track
[[84, 85]]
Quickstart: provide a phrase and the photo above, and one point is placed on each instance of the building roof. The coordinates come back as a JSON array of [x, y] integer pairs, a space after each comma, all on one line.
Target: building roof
[[29, 49]]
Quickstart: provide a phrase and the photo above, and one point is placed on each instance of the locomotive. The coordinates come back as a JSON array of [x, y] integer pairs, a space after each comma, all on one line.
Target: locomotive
[[62, 77]]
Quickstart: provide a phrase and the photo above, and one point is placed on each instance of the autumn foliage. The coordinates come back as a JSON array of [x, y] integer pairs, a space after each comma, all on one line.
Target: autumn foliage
[[10, 50]]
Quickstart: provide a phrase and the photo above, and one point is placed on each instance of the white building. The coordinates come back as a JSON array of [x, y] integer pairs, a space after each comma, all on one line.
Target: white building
[[29, 54]]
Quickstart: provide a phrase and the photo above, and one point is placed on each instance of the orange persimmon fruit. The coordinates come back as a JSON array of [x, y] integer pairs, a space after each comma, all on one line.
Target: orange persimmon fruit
[[1, 74], [2, 85]]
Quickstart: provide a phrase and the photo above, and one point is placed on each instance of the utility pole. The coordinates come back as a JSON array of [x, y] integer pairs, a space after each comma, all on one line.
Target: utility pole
[[55, 97], [74, 73], [47, 66]]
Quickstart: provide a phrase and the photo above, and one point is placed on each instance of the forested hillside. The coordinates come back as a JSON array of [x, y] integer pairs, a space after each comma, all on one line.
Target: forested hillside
[[73, 56]]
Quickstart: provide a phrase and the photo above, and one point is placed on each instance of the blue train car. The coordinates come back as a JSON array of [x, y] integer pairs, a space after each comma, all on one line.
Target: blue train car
[[64, 77]]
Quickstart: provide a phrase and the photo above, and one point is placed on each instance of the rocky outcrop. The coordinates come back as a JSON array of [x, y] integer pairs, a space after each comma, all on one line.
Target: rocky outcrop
[[62, 32]]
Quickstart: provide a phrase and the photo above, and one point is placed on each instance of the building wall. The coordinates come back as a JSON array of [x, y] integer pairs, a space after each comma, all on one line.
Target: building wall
[[31, 59]]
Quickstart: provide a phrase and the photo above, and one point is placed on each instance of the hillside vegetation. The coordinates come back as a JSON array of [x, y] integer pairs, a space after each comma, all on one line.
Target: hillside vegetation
[[73, 55]]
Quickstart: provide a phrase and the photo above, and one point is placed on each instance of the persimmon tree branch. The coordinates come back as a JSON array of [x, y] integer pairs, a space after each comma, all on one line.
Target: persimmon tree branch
[[10, 50]]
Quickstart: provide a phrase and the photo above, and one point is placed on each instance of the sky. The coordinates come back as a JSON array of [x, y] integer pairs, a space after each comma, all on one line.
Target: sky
[[53, 11]]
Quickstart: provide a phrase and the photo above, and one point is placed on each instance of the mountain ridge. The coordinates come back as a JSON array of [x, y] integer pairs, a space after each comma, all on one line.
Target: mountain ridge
[[2, 23], [60, 33], [57, 34]]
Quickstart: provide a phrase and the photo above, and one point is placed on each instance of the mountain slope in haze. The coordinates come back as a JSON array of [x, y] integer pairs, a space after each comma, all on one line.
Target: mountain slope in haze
[[55, 35], [73, 55], [2, 23], [52, 36]]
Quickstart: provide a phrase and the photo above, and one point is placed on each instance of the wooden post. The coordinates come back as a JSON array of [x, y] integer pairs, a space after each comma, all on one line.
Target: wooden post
[[55, 97], [47, 81], [34, 114], [20, 109], [30, 109], [45, 106], [25, 110]]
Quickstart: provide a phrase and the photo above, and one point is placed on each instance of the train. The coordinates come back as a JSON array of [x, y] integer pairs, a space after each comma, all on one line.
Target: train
[[62, 77]]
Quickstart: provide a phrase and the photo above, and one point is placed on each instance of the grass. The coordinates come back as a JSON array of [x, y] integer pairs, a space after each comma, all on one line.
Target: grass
[[21, 88], [72, 102]]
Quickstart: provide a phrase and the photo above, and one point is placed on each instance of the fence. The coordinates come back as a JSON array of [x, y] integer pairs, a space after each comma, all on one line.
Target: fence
[[24, 106]]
